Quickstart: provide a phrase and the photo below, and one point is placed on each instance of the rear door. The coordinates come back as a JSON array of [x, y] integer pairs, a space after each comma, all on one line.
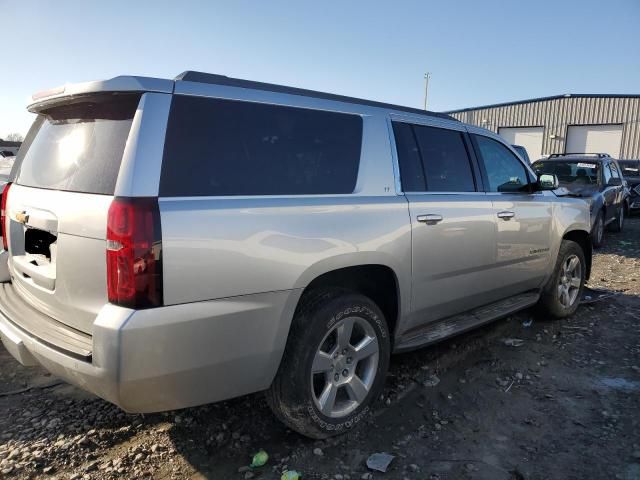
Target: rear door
[[452, 223], [523, 218], [65, 180]]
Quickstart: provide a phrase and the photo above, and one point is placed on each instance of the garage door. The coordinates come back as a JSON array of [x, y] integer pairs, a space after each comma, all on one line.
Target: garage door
[[594, 139], [529, 137]]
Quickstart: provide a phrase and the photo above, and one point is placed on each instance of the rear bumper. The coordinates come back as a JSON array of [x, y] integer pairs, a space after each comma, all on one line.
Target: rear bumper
[[170, 357]]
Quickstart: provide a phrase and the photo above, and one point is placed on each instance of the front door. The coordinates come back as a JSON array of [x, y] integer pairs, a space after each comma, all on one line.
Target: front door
[[523, 219]]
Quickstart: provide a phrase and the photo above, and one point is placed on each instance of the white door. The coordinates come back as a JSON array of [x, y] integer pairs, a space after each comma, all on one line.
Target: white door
[[594, 139], [529, 137]]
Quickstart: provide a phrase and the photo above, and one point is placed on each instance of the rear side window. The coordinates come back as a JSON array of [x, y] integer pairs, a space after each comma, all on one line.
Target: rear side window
[[432, 159], [505, 173], [78, 146], [445, 159], [224, 147]]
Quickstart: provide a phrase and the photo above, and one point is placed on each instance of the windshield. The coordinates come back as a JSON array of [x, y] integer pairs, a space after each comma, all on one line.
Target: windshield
[[577, 173], [78, 146], [630, 169]]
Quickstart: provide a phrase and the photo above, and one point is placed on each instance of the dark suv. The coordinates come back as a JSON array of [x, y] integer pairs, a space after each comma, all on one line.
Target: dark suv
[[597, 178], [631, 173]]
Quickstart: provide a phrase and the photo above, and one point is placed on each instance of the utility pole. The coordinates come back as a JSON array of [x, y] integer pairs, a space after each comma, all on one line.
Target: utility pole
[[427, 76]]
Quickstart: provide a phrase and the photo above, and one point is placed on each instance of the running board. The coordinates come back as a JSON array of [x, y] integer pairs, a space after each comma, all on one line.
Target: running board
[[447, 327]]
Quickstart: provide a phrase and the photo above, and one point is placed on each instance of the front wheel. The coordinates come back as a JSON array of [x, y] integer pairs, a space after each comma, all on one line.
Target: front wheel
[[334, 365], [618, 225], [562, 294], [597, 234]]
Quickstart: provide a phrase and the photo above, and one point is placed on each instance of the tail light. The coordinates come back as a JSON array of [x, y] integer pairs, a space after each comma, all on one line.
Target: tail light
[[134, 253], [3, 216]]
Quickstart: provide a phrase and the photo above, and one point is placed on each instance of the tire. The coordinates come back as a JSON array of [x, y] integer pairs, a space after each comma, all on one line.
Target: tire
[[597, 234], [552, 302], [618, 225], [297, 395]]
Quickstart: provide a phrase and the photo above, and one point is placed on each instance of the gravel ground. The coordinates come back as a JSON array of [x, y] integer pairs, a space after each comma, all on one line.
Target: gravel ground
[[564, 404]]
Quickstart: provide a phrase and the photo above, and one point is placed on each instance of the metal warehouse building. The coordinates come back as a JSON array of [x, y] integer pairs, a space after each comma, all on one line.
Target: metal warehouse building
[[564, 124]]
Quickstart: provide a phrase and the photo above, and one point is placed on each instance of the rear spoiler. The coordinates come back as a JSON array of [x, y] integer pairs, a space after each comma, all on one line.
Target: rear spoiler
[[116, 84]]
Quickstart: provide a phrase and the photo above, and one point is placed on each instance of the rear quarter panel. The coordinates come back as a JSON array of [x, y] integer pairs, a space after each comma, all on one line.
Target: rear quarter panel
[[569, 214], [223, 247]]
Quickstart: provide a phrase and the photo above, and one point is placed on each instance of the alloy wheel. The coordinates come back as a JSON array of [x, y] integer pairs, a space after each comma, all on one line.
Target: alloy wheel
[[344, 367], [599, 230], [570, 281]]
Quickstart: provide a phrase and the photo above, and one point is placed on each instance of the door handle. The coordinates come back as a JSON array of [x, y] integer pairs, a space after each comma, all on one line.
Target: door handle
[[506, 215], [429, 219]]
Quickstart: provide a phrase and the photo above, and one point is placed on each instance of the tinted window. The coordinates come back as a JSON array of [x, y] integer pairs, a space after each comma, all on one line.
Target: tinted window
[[78, 146], [223, 147], [445, 160], [505, 173], [411, 170]]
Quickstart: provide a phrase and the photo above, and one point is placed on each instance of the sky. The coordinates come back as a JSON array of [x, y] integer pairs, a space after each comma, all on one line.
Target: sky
[[478, 51]]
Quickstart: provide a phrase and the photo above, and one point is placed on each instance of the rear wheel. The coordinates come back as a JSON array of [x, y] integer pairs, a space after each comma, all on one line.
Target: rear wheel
[[334, 365], [562, 294], [618, 225], [597, 234]]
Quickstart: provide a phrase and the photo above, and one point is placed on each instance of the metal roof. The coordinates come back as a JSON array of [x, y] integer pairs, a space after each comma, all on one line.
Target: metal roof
[[201, 77], [541, 99]]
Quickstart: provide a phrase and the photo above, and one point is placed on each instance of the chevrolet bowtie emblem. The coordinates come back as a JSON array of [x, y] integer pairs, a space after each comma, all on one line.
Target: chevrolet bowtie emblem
[[22, 217]]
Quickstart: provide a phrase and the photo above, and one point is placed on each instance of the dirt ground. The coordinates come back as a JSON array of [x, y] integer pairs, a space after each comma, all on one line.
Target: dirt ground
[[563, 405]]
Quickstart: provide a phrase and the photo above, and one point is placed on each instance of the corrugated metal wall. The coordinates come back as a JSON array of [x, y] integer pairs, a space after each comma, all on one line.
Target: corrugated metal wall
[[555, 115]]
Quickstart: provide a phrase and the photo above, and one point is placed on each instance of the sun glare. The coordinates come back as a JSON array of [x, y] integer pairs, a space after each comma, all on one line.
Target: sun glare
[[70, 147]]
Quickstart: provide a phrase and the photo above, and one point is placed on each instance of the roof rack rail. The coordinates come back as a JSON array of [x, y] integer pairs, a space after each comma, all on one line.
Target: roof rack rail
[[211, 78], [598, 155]]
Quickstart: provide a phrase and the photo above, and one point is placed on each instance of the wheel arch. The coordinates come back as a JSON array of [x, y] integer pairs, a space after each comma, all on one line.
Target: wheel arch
[[377, 280]]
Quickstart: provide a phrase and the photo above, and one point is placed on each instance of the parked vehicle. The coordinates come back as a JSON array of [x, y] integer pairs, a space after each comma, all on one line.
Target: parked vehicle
[[318, 235], [522, 152], [597, 179], [631, 174]]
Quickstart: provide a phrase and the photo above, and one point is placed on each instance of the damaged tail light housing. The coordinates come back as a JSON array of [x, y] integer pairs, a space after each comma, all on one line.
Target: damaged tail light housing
[[134, 253], [3, 216]]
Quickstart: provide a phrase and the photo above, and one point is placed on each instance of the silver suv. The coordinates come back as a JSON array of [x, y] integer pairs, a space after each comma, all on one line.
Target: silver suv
[[170, 243]]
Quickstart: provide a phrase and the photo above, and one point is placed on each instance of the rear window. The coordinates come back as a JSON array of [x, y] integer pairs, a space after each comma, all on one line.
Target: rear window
[[78, 146], [224, 147]]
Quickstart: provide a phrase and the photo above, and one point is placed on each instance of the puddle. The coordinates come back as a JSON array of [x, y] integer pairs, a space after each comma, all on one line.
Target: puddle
[[620, 383]]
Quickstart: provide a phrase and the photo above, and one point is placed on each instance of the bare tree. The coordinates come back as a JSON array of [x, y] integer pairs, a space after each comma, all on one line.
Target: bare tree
[[14, 137]]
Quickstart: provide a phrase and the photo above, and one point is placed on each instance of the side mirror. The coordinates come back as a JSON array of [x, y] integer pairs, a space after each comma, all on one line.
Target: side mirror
[[548, 181]]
